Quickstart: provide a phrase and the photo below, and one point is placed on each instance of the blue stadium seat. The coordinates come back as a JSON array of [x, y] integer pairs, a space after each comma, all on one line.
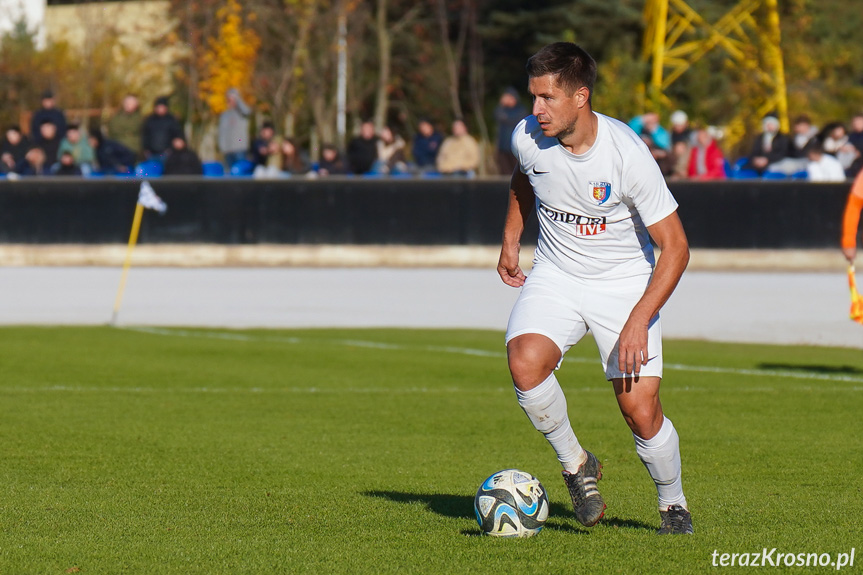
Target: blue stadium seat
[[726, 166], [801, 175], [214, 169], [243, 168], [774, 176], [744, 175], [149, 169]]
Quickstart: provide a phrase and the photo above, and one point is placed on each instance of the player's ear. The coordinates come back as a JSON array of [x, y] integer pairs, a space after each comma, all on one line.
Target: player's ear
[[582, 96]]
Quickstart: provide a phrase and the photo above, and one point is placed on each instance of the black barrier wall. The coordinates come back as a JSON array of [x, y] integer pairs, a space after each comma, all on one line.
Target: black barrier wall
[[733, 214]]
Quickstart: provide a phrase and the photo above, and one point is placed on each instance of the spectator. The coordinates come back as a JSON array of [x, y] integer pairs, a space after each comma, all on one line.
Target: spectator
[[181, 161], [426, 146], [508, 114], [770, 146], [459, 153], [363, 149], [159, 130], [14, 143], [391, 153], [804, 131], [34, 163], [112, 156], [663, 158], [648, 125], [47, 113], [50, 142], [234, 129], [680, 130], [331, 163], [7, 163], [293, 161], [835, 141], [855, 136], [680, 160], [261, 147], [822, 167], [66, 166], [83, 154], [125, 126], [706, 161]]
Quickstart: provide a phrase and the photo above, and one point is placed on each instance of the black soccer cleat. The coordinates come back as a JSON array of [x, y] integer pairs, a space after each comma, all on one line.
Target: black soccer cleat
[[676, 521], [586, 500]]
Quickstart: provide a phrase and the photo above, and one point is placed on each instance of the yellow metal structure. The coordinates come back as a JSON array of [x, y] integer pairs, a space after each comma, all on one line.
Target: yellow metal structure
[[677, 36]]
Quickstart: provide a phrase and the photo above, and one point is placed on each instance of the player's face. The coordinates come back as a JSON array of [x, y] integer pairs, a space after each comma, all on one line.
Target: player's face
[[555, 111]]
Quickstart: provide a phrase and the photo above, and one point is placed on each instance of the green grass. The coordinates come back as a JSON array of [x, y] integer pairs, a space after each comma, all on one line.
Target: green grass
[[312, 451]]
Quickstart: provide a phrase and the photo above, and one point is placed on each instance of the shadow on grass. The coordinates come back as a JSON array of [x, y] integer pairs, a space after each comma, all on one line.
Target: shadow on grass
[[827, 369], [461, 507]]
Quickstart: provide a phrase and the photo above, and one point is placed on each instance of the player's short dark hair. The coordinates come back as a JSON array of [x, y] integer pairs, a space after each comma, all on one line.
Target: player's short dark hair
[[569, 63]]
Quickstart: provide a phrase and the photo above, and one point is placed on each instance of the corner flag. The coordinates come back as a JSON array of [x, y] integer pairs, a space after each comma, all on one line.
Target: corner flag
[[856, 298], [147, 198]]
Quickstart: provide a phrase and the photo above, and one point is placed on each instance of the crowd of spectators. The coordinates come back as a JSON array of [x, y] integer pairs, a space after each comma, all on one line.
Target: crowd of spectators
[[130, 143], [832, 153]]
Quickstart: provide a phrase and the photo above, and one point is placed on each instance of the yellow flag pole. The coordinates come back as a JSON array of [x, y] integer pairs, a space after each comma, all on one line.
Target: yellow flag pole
[[133, 239]]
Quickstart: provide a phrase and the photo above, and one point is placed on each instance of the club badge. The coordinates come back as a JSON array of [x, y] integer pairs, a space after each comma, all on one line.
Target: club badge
[[600, 192]]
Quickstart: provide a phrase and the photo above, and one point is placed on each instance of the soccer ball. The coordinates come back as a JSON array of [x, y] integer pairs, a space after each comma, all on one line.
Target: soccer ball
[[511, 503]]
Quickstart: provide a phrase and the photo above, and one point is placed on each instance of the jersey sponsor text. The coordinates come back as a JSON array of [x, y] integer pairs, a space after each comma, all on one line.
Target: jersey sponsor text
[[584, 225]]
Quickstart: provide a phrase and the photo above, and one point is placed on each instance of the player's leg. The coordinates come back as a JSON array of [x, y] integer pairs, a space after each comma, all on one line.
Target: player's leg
[[658, 447], [656, 440], [542, 327], [532, 360], [532, 356]]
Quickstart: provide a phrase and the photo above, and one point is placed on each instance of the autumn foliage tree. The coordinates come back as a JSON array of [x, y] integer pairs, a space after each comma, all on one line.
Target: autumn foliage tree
[[229, 61]]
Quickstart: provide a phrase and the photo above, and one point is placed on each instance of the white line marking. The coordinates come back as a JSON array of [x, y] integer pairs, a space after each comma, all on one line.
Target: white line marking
[[805, 375]]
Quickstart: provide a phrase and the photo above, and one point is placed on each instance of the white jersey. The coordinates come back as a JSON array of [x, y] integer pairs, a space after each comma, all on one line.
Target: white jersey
[[593, 208]]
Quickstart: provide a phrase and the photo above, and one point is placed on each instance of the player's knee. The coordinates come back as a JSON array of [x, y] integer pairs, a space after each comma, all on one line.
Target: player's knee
[[644, 420], [530, 364]]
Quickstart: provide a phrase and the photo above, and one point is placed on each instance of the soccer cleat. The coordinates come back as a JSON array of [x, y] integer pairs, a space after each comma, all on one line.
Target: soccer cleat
[[676, 521], [586, 500]]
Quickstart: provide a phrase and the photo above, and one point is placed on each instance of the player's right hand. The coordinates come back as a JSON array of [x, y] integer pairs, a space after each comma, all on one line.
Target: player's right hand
[[509, 270], [850, 254]]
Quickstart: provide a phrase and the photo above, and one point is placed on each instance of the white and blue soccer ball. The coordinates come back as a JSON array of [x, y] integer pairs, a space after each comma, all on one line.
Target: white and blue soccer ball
[[511, 503]]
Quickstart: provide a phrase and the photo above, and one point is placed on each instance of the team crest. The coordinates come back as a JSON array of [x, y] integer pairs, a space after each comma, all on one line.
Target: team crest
[[600, 191]]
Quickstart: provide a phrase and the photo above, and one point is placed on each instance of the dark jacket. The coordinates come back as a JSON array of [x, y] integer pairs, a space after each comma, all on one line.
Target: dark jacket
[[44, 116], [425, 149], [507, 119], [114, 157], [362, 154], [779, 149], [183, 162], [158, 131], [18, 150]]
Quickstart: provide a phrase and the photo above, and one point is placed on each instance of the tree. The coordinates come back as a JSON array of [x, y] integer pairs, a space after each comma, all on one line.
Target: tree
[[229, 61]]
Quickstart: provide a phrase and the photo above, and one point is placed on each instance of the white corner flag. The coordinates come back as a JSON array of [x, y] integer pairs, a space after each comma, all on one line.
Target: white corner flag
[[147, 197]]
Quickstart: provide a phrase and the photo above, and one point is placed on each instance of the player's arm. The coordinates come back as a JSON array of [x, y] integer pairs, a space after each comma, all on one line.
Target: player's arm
[[671, 239], [521, 202], [851, 219]]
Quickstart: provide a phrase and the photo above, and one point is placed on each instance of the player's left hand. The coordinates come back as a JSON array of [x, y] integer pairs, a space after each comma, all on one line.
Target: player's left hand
[[632, 347]]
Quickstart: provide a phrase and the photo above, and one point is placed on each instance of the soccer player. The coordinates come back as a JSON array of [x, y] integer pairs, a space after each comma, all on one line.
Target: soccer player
[[599, 197], [851, 219]]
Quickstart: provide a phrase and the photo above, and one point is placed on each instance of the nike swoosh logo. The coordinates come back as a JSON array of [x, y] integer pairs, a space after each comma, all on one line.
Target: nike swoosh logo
[[537, 172]]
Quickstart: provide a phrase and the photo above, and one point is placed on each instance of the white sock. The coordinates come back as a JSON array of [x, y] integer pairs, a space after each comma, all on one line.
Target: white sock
[[545, 406], [661, 456]]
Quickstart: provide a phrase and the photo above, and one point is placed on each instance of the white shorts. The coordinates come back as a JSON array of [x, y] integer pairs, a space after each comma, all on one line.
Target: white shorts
[[563, 308]]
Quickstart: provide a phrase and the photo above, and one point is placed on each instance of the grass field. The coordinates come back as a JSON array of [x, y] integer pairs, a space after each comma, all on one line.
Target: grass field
[[359, 451]]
